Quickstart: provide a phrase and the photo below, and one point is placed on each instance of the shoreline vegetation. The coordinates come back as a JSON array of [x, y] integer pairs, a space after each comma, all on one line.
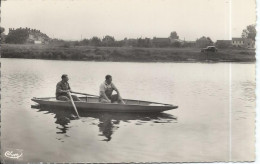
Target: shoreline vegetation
[[125, 54]]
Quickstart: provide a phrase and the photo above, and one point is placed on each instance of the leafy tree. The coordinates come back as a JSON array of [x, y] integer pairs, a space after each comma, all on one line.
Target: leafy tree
[[75, 43], [210, 41], [95, 41], [119, 43], [244, 33], [176, 44], [143, 42], [174, 35], [249, 32], [203, 42], [2, 30], [84, 42], [2, 35], [223, 43], [18, 36]]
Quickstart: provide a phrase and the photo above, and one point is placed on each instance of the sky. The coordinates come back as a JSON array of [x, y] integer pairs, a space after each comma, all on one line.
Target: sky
[[79, 19]]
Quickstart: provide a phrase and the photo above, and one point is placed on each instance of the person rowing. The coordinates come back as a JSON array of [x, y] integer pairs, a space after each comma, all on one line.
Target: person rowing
[[63, 89], [105, 92]]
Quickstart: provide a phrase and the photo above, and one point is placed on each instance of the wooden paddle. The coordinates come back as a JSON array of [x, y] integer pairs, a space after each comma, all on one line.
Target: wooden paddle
[[73, 104], [85, 94]]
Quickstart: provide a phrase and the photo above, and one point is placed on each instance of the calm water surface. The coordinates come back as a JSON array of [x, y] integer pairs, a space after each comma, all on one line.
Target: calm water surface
[[197, 131]]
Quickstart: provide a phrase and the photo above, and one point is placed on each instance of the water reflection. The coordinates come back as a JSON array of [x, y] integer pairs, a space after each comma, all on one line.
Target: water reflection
[[107, 123], [246, 99], [248, 90]]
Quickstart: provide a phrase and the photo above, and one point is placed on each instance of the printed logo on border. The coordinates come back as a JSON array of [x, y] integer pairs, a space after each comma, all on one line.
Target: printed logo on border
[[16, 154]]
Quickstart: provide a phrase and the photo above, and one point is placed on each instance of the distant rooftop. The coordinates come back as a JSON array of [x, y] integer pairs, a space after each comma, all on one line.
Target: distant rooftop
[[238, 39]]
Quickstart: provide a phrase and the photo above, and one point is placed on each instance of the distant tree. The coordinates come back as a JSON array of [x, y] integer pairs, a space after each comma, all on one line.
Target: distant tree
[[18, 36], [66, 44], [75, 43], [84, 42], [130, 42], [210, 41], [223, 44], [203, 42], [59, 42], [95, 41], [146, 42], [2, 30], [244, 33], [176, 44], [249, 32], [174, 35], [2, 35], [119, 43]]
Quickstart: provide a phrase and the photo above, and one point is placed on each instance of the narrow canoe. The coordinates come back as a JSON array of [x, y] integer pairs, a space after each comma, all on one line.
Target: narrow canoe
[[92, 104]]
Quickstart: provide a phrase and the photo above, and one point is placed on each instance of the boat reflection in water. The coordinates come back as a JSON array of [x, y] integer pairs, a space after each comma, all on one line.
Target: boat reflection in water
[[108, 123]]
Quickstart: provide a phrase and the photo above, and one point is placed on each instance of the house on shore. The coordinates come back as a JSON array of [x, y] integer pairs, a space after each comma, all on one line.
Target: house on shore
[[243, 42], [37, 37], [108, 40], [32, 36]]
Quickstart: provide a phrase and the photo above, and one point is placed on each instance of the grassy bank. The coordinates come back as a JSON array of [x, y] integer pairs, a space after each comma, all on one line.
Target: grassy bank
[[124, 54]]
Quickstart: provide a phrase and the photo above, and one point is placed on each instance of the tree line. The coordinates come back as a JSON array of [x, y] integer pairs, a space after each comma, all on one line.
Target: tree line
[[20, 36]]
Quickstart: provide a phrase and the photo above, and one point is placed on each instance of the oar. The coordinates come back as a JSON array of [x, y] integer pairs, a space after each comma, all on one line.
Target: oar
[[73, 104], [85, 94]]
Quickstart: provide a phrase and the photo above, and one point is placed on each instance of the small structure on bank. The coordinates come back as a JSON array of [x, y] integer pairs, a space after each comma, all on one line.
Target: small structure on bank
[[236, 42], [243, 42]]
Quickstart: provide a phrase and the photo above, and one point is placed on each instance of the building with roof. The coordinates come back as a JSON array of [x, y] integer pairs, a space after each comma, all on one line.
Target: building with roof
[[32, 36], [243, 42]]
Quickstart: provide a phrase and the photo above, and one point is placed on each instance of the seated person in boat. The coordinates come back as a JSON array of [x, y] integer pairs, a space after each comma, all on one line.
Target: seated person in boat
[[105, 92], [63, 89]]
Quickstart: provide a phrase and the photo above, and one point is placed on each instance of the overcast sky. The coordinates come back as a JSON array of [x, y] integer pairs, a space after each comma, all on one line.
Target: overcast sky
[[71, 19]]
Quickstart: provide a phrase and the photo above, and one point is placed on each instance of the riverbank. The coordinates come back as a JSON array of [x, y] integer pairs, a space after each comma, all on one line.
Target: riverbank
[[132, 54]]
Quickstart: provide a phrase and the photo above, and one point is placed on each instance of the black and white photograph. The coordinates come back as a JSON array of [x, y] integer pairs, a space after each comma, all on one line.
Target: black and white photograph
[[122, 81]]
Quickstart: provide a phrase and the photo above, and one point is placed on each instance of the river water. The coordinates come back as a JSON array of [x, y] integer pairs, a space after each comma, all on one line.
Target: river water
[[199, 130]]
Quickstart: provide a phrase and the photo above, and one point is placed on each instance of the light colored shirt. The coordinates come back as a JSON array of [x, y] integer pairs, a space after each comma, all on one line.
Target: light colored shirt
[[107, 88]]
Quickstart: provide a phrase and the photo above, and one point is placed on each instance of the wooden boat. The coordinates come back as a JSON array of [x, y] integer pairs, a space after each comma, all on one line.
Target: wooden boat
[[93, 105]]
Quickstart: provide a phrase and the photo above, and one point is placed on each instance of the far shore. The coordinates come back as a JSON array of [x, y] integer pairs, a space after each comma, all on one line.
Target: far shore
[[125, 54]]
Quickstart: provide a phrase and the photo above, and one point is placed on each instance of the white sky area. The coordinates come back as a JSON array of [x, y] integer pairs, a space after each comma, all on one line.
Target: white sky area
[[71, 19]]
